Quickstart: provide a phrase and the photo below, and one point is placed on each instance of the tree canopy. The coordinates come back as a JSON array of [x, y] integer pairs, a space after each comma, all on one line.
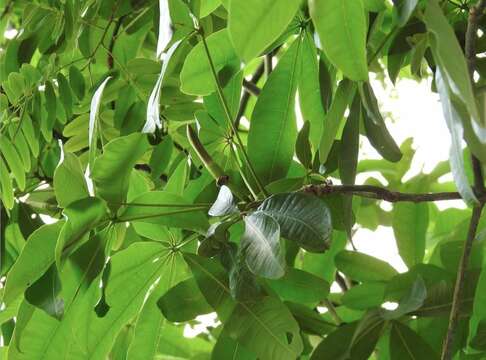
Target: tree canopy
[[163, 160]]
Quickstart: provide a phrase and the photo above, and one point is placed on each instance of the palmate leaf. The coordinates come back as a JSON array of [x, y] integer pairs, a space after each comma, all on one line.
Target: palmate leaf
[[265, 327]]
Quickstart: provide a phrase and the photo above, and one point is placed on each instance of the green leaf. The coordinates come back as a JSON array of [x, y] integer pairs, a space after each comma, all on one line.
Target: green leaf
[[310, 97], [254, 24], [478, 319], [406, 344], [35, 258], [261, 244], [303, 218], [76, 81], [183, 302], [133, 271], [6, 186], [336, 344], [273, 128], [267, 328], [13, 160], [362, 267], [452, 117], [303, 146], [364, 296], [82, 216], [300, 286], [112, 169], [341, 25], [226, 348], [404, 10], [411, 301], [164, 208], [333, 120], [69, 171], [375, 126], [450, 58], [410, 222], [196, 77]]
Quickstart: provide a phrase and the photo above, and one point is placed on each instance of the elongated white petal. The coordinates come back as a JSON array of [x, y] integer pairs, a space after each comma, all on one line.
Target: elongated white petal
[[153, 111], [94, 108], [165, 27], [61, 157]]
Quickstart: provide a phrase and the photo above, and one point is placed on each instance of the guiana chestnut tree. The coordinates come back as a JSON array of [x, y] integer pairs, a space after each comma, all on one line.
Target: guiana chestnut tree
[[163, 160]]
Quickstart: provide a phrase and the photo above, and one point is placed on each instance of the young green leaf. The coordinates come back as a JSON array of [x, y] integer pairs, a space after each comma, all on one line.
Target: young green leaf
[[341, 25], [13, 160], [404, 9], [273, 128]]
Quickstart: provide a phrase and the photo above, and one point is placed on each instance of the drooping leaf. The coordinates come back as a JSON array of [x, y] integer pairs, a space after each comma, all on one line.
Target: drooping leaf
[[411, 244], [310, 97], [363, 267], [261, 244], [302, 218], [273, 128], [341, 25], [375, 126], [456, 129], [253, 25], [450, 58], [341, 99]]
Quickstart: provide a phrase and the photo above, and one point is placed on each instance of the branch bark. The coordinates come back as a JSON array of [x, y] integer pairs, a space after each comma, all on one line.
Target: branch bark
[[379, 193], [475, 14], [246, 94]]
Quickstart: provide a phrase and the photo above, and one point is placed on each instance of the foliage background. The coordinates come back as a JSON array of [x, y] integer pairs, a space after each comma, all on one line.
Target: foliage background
[[185, 150]]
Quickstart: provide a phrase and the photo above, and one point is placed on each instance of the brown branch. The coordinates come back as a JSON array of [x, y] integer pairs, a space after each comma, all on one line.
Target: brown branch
[[475, 15], [251, 87], [379, 193], [246, 95], [458, 289]]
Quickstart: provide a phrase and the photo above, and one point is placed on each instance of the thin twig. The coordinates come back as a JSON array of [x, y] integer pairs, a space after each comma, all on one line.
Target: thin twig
[[458, 289], [251, 87], [246, 95], [379, 193], [475, 14]]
